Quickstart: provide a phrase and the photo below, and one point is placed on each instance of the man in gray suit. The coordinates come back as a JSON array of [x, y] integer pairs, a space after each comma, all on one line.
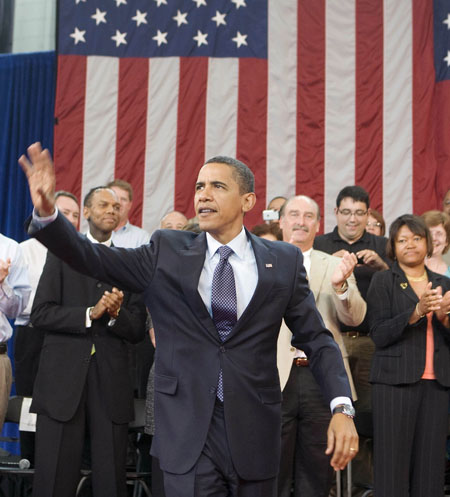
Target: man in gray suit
[[305, 415]]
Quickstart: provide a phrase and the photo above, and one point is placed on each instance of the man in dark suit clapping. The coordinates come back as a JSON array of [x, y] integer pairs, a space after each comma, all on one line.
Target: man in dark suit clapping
[[83, 383]]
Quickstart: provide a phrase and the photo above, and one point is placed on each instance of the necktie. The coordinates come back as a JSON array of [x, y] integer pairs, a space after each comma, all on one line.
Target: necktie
[[223, 301]]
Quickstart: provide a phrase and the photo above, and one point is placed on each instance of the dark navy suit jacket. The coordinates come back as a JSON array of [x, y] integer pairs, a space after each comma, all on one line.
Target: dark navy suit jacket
[[189, 352]]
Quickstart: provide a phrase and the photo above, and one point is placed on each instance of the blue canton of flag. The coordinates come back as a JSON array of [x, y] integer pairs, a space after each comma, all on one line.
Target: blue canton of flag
[[442, 39], [161, 28]]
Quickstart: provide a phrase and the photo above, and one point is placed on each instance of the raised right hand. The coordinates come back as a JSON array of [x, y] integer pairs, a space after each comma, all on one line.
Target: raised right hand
[[38, 167]]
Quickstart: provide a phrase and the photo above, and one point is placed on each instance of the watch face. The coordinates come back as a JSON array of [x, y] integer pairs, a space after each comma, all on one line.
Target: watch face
[[345, 409]]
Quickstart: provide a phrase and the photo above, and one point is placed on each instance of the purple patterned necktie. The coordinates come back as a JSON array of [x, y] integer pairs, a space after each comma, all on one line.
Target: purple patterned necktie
[[223, 301]]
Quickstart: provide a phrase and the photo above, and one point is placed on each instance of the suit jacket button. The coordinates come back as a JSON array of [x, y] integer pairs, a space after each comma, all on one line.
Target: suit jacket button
[[87, 359], [292, 349], [99, 284], [222, 349]]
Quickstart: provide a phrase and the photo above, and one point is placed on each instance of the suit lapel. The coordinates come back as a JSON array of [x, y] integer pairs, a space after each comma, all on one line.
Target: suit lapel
[[191, 262], [266, 263]]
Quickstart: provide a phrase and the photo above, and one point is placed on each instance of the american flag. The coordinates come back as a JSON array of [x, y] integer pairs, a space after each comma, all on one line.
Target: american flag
[[313, 95]]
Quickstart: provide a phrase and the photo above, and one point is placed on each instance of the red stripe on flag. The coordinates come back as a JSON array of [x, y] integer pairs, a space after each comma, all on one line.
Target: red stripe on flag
[[311, 100], [369, 99], [252, 128], [131, 129], [69, 123], [431, 117], [424, 163], [190, 153], [441, 122]]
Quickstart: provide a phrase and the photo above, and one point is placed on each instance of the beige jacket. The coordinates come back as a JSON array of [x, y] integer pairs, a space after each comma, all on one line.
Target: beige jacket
[[350, 312]]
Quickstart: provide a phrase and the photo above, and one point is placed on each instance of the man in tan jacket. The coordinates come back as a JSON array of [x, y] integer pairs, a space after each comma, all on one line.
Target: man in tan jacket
[[305, 413]]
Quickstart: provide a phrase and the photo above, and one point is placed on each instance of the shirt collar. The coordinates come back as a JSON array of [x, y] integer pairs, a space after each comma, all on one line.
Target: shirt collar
[[238, 244], [124, 227], [93, 240]]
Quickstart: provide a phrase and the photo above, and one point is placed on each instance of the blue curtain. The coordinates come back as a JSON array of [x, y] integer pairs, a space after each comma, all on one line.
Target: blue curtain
[[27, 96]]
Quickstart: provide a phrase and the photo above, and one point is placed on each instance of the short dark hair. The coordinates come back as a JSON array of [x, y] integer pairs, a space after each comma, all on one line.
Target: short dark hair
[[357, 193], [87, 202], [124, 185], [63, 193], [241, 172], [416, 225], [268, 229]]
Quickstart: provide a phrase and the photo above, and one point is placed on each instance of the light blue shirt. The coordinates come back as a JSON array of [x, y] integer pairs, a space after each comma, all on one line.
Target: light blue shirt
[[130, 236]]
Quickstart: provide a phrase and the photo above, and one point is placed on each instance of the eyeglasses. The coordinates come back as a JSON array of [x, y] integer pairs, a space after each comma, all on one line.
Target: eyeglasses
[[349, 213], [374, 225]]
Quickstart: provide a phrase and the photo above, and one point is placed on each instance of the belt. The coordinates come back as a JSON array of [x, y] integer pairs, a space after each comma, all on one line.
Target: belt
[[301, 361], [354, 334], [3, 348]]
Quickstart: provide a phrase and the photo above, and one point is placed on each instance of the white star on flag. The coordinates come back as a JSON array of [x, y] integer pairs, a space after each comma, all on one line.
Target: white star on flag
[[78, 35], [200, 38], [219, 19], [140, 18], [180, 18], [239, 3], [240, 39], [447, 21], [120, 2], [78, 1], [160, 2], [99, 17], [160, 38], [119, 38], [200, 2], [447, 59]]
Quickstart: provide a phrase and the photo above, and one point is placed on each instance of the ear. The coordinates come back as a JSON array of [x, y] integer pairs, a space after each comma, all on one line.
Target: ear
[[86, 213], [248, 202]]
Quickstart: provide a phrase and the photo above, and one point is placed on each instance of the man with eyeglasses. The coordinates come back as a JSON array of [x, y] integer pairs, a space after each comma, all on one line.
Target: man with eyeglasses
[[350, 235]]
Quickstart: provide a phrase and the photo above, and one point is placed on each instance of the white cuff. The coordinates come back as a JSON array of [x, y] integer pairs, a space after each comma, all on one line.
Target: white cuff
[[339, 400]]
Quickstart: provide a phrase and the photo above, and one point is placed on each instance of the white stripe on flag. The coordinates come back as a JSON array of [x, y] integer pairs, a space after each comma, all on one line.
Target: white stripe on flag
[[100, 122], [221, 107], [340, 59], [160, 152], [282, 99], [397, 109]]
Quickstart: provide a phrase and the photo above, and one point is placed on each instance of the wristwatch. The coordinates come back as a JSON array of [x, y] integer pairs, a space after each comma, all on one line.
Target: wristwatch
[[346, 409]]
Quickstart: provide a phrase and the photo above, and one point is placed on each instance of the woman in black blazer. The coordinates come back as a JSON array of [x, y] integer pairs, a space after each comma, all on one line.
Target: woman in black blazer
[[408, 309]]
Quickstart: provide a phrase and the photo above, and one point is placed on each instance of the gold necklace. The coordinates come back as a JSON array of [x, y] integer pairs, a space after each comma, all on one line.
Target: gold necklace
[[416, 279]]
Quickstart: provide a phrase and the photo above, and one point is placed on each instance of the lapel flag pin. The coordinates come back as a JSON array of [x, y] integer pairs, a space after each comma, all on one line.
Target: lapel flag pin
[[268, 265], [403, 285]]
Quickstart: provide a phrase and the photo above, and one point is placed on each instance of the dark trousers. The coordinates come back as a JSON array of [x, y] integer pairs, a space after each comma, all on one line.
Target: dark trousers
[[410, 432], [305, 420], [27, 351], [59, 447], [214, 474]]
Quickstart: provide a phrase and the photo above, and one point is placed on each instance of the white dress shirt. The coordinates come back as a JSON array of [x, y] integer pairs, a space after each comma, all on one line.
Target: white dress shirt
[[244, 267], [34, 254], [15, 289]]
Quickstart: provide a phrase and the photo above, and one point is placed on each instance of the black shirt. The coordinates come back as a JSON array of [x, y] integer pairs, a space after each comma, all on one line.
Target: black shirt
[[332, 242]]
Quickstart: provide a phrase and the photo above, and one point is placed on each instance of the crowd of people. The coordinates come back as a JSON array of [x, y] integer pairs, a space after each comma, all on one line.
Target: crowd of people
[[84, 343]]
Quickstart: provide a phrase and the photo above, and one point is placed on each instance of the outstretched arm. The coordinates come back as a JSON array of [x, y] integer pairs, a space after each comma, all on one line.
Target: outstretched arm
[[40, 173]]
